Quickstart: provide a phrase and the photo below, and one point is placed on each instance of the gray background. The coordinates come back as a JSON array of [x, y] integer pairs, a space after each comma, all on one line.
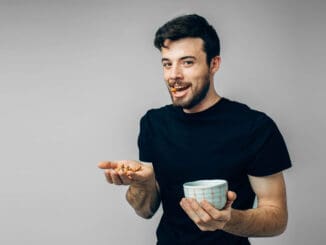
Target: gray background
[[76, 76]]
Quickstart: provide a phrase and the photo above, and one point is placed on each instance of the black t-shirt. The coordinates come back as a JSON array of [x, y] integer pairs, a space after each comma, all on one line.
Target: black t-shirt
[[226, 141]]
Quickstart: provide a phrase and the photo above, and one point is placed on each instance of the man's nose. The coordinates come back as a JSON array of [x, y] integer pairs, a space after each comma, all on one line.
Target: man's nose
[[176, 72]]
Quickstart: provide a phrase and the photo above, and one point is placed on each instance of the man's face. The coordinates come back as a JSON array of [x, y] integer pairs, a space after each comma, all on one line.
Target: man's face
[[186, 71]]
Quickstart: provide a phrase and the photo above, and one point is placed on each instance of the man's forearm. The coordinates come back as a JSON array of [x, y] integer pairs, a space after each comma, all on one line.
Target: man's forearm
[[145, 199], [262, 221]]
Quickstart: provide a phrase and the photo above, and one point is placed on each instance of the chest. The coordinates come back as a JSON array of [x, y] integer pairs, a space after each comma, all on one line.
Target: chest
[[201, 151]]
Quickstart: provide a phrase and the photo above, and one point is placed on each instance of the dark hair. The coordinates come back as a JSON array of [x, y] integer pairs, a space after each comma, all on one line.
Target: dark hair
[[191, 25]]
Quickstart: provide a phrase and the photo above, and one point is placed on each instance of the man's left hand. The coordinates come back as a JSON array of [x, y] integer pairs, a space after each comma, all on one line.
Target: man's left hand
[[205, 215]]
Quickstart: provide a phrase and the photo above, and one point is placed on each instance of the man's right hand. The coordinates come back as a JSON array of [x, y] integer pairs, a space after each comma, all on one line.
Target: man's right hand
[[143, 192], [127, 172]]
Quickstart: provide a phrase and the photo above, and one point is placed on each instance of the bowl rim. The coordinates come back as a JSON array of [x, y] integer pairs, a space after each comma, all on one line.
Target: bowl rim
[[205, 183]]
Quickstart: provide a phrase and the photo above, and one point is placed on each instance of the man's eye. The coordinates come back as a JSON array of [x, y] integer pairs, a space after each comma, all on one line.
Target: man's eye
[[166, 65], [188, 62]]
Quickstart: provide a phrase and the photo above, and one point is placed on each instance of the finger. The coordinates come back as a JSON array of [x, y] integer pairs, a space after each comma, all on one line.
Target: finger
[[107, 165], [231, 196], [216, 214], [220, 217], [116, 178], [126, 179], [108, 177], [187, 207], [205, 218]]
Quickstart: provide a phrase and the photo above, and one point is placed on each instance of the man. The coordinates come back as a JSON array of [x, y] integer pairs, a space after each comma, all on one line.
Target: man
[[204, 136]]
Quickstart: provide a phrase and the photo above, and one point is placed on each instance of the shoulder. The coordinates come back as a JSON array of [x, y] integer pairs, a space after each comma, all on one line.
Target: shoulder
[[241, 110], [156, 114], [249, 116]]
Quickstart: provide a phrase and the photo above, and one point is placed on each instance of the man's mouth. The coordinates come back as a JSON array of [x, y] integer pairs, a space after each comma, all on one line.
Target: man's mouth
[[179, 87], [179, 90]]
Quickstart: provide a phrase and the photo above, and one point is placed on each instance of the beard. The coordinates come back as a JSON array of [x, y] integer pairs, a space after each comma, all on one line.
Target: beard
[[196, 98]]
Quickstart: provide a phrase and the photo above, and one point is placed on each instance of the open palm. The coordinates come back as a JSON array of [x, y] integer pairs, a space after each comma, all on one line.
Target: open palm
[[127, 172]]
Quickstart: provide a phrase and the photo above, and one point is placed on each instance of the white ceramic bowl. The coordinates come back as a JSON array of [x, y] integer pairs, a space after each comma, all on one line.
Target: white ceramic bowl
[[214, 191]]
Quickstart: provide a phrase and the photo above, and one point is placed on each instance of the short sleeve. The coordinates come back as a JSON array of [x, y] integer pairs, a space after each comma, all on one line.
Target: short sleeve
[[270, 154], [145, 140]]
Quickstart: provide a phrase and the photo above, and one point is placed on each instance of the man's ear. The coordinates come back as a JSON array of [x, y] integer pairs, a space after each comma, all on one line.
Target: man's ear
[[215, 64]]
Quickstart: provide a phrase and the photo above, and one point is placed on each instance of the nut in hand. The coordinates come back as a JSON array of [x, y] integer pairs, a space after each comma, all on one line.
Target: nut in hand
[[125, 168]]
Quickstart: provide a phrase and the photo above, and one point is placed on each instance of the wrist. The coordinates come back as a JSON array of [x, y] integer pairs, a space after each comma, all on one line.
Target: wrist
[[234, 220]]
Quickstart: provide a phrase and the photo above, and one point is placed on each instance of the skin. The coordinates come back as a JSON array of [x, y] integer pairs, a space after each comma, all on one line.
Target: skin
[[184, 60], [143, 192], [268, 219], [184, 63]]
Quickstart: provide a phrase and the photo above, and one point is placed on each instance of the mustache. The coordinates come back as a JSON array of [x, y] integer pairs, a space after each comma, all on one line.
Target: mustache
[[178, 83]]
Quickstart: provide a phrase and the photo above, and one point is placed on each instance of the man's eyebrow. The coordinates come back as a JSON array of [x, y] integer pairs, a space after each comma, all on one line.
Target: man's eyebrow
[[182, 58], [188, 57]]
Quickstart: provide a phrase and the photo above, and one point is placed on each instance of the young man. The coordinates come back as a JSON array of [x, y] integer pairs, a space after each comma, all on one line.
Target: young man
[[204, 136]]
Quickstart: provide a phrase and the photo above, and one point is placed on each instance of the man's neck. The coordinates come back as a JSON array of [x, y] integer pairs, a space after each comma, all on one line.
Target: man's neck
[[206, 103]]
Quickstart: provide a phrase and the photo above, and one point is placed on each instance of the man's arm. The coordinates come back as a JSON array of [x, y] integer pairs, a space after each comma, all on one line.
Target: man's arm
[[270, 217], [145, 198]]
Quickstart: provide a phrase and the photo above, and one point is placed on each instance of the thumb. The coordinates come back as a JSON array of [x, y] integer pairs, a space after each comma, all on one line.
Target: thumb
[[231, 196]]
